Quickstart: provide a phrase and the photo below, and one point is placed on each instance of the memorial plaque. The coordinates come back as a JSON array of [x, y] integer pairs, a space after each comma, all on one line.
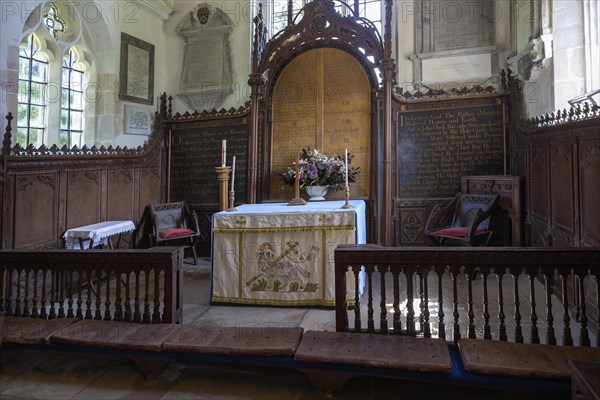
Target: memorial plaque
[[436, 146], [136, 70], [195, 151], [313, 105]]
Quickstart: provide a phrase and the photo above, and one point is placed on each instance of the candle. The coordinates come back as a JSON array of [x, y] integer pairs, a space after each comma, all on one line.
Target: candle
[[223, 152], [346, 156], [232, 173]]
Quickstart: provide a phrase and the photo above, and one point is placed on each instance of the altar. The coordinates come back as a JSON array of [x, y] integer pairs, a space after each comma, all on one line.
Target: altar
[[275, 254]]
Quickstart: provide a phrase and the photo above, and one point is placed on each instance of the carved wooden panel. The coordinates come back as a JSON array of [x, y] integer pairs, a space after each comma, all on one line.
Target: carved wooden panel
[[120, 192], [35, 203], [562, 189], [412, 217], [149, 181], [84, 191], [538, 195], [412, 223], [313, 105], [589, 170]]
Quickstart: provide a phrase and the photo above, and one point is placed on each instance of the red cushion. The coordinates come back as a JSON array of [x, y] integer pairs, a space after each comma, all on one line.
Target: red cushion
[[457, 232], [175, 232]]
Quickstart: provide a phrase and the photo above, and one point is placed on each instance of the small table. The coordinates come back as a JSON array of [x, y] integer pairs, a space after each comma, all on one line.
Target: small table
[[88, 236]]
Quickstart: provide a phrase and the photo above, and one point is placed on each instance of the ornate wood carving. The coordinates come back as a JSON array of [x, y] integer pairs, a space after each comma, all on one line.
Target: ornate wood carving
[[322, 26], [74, 186]]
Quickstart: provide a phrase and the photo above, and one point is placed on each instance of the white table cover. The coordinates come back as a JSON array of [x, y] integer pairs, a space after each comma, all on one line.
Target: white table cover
[[99, 233], [275, 254]]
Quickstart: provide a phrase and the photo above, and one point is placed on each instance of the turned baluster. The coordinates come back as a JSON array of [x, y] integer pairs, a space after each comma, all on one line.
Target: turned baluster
[[441, 315], [535, 337], [487, 331], [584, 338], [501, 316], [357, 316], [410, 297], [156, 313], [550, 335], [370, 321], [383, 317], [567, 337], [107, 313], [146, 315], [397, 313], [518, 329], [137, 316]]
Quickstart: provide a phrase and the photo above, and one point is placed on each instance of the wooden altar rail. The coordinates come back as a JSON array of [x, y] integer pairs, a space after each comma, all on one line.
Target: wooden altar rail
[[83, 284], [507, 294]]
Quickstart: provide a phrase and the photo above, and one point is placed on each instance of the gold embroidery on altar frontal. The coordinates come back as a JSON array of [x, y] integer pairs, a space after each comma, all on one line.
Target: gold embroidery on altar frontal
[[296, 229], [284, 272]]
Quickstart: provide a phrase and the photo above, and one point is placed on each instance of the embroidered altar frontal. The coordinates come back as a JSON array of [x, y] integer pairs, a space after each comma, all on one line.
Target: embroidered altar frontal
[[280, 256]]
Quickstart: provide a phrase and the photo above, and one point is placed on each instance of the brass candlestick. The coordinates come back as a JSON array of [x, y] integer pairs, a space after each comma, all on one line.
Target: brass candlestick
[[231, 201], [223, 176], [347, 195]]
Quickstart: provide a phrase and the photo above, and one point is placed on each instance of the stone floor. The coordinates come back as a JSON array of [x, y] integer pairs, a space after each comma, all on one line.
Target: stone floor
[[32, 374]]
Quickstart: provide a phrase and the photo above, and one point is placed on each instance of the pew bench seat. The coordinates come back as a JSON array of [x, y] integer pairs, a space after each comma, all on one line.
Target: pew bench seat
[[522, 360], [330, 358]]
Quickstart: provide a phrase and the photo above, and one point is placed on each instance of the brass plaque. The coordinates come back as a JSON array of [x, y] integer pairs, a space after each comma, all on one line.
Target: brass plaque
[[321, 100]]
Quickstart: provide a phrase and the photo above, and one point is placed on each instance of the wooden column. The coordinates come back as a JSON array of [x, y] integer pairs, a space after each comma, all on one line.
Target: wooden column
[[223, 176], [389, 74]]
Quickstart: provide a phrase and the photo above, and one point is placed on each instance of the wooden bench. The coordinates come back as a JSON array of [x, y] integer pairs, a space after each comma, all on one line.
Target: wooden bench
[[327, 358], [523, 360], [330, 356]]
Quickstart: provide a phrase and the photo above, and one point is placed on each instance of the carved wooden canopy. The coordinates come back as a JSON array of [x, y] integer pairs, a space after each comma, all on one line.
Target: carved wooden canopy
[[319, 25]]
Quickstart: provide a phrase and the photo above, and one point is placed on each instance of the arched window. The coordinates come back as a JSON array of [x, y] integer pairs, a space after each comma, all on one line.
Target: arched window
[[32, 99], [72, 105], [56, 70], [277, 12]]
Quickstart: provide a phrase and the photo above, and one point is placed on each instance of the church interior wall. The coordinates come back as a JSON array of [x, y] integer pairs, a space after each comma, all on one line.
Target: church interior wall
[[542, 42]]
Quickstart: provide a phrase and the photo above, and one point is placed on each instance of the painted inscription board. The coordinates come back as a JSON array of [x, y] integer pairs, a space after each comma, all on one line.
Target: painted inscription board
[[436, 146], [195, 151], [314, 105]]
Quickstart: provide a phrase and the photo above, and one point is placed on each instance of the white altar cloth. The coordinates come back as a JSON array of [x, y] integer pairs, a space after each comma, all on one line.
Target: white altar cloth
[[275, 254], [95, 234]]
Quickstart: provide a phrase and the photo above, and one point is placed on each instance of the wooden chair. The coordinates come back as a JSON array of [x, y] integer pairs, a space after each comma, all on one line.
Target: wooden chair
[[465, 221], [172, 222]]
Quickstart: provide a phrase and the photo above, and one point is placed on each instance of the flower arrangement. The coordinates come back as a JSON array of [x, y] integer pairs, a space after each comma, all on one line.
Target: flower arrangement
[[317, 169]]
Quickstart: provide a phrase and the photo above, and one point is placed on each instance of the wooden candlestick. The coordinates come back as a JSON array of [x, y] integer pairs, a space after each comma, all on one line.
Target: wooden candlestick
[[223, 176]]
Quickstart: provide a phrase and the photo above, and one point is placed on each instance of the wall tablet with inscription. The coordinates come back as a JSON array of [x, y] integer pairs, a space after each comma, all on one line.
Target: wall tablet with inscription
[[313, 105], [438, 142], [195, 151]]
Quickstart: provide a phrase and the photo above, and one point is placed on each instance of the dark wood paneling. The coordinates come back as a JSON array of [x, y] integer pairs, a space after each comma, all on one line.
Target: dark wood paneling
[[562, 188], [45, 192], [35, 200], [120, 195], [83, 198], [564, 179], [589, 172], [538, 191]]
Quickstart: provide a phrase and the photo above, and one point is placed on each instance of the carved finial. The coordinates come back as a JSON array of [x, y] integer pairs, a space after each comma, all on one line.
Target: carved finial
[[170, 111], [6, 143]]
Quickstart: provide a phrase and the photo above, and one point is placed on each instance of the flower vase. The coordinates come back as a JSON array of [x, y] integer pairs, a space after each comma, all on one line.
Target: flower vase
[[316, 193]]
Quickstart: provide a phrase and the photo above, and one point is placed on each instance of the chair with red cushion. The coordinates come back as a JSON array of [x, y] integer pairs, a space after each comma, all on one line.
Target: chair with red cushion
[[174, 222], [465, 221]]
